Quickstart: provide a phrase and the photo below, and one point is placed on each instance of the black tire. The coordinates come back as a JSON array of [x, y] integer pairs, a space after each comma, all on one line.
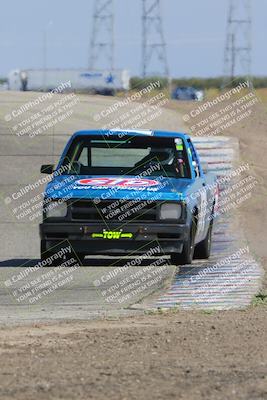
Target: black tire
[[46, 254], [43, 249], [80, 258], [186, 257], [203, 248]]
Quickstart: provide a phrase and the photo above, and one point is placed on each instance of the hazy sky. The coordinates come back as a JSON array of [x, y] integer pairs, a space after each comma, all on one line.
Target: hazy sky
[[194, 32]]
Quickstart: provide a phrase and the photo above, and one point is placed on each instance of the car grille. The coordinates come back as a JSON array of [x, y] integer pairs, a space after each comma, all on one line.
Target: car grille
[[114, 210]]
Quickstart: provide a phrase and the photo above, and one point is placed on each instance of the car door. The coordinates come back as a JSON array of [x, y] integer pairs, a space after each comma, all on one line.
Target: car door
[[199, 188]]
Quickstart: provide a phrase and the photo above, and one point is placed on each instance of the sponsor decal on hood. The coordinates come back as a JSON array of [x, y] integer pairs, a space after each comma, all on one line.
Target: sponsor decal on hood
[[118, 182]]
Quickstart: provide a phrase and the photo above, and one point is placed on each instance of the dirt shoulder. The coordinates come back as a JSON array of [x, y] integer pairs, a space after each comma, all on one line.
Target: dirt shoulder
[[182, 355]]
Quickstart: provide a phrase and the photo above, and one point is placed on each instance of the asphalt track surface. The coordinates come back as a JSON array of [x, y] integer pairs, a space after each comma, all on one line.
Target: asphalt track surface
[[90, 292]]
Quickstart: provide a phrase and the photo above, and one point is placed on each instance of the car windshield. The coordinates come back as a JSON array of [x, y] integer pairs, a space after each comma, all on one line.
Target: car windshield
[[100, 155]]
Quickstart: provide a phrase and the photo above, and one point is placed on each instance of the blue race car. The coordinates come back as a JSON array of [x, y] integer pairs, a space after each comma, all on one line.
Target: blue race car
[[187, 93], [116, 192]]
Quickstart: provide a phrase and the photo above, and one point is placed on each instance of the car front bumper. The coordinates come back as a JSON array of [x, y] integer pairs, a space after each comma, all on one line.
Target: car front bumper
[[168, 237]]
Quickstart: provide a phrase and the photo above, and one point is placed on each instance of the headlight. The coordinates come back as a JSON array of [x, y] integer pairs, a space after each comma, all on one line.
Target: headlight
[[170, 211], [56, 209]]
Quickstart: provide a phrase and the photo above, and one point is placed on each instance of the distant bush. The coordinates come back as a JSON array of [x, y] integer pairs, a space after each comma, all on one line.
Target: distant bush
[[138, 83], [260, 82]]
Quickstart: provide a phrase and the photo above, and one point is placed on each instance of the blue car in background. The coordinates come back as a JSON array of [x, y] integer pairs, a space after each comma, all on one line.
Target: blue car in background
[[118, 192], [187, 93]]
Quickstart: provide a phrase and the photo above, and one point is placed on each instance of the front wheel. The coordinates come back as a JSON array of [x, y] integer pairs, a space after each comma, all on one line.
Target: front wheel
[[51, 257], [203, 248], [186, 257], [80, 258]]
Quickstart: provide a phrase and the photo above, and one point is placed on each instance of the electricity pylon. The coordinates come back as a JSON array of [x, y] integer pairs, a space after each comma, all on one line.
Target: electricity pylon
[[238, 48], [154, 46], [102, 40]]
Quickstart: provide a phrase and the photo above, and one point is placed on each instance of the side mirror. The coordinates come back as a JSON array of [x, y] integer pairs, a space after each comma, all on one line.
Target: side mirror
[[47, 169], [195, 169]]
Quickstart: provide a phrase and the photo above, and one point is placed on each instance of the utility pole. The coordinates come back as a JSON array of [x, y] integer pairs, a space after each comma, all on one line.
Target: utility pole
[[238, 48], [154, 46], [45, 34], [102, 40]]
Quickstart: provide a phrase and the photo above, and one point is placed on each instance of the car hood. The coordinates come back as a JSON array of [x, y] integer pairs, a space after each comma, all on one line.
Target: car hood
[[117, 187]]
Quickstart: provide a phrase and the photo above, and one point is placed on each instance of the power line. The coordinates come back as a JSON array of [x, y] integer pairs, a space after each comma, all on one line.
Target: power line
[[154, 45], [238, 48], [102, 39]]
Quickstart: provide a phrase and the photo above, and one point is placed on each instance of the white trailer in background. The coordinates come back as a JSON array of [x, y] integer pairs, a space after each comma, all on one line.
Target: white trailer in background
[[81, 80]]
